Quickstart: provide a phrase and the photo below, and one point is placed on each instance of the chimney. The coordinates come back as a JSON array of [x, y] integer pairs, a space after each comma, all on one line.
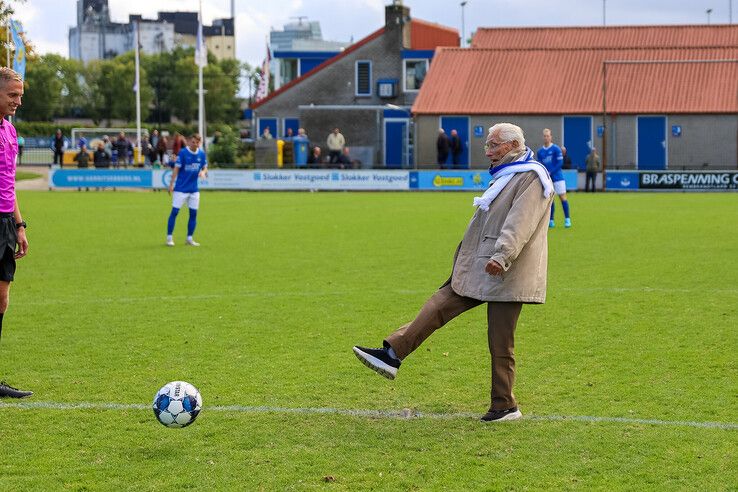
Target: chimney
[[397, 19]]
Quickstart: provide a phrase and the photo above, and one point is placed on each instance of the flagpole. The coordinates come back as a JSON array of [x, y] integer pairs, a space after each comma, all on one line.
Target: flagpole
[[138, 95], [200, 91], [7, 45]]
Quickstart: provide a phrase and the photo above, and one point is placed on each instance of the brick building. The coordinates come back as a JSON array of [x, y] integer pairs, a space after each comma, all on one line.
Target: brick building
[[366, 91], [654, 97]]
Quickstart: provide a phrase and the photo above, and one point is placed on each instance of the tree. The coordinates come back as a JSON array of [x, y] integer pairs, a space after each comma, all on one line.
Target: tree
[[6, 12], [109, 89], [52, 88], [221, 80], [182, 98], [43, 90]]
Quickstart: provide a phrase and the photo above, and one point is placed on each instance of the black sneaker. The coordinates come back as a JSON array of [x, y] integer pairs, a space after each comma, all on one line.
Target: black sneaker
[[8, 391], [379, 360], [500, 415]]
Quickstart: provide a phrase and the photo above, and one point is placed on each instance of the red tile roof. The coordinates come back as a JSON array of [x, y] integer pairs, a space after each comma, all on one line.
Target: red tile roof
[[428, 35], [423, 36], [569, 81], [613, 37]]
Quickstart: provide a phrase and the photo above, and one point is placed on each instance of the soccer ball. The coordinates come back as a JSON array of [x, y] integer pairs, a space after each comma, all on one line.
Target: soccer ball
[[177, 404]]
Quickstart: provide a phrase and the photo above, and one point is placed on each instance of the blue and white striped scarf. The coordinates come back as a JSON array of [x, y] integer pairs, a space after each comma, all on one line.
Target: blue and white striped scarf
[[502, 174]]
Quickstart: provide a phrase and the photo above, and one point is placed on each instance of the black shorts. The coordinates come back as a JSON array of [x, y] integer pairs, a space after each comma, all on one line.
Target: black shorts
[[8, 243]]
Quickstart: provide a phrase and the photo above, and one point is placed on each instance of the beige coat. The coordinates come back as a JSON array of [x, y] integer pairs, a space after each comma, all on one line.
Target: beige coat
[[512, 232]]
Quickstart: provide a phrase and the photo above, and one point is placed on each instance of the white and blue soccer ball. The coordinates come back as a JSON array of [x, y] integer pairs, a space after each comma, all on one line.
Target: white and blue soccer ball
[[177, 404]]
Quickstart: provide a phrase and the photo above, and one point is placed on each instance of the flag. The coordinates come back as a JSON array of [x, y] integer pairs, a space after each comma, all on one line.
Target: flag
[[201, 51], [263, 90], [19, 60]]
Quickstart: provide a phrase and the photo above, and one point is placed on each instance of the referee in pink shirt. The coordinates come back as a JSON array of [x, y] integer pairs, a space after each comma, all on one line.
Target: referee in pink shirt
[[13, 242]]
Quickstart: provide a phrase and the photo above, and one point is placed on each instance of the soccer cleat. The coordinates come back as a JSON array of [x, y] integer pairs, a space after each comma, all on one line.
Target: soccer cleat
[[500, 415], [192, 242], [378, 360], [170, 242], [551, 224], [567, 222], [8, 391]]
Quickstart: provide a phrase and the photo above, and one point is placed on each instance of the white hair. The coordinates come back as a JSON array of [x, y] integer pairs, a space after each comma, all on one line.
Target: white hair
[[508, 132]]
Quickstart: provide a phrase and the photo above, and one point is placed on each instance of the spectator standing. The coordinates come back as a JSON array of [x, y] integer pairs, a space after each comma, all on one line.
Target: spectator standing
[[58, 147], [442, 146], [101, 158], [336, 143], [12, 227], [82, 140], [162, 148], [154, 140], [121, 148], [456, 148], [289, 135], [593, 168], [178, 144], [550, 156], [302, 134], [21, 145], [147, 150], [567, 160], [82, 158], [504, 272], [266, 134], [108, 145]]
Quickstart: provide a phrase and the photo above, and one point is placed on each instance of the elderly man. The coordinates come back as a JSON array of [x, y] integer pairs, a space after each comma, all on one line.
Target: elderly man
[[501, 260]]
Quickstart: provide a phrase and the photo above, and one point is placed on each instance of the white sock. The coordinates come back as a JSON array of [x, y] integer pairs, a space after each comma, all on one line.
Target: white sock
[[169, 237], [189, 238]]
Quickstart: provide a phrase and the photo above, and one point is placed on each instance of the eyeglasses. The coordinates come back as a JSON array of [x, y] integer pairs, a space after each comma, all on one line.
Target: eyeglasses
[[492, 145]]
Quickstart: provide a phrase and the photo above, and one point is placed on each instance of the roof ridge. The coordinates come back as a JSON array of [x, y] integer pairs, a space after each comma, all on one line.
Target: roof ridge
[[314, 70]]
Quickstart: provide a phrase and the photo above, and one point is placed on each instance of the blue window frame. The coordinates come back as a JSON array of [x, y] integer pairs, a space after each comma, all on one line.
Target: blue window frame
[[363, 78]]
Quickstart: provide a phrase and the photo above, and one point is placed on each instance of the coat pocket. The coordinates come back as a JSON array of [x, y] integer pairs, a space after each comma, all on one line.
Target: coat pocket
[[487, 246]]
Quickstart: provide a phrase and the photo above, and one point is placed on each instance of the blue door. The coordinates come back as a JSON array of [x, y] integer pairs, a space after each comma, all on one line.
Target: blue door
[[578, 139], [395, 143], [293, 123], [268, 122], [461, 125], [651, 142]]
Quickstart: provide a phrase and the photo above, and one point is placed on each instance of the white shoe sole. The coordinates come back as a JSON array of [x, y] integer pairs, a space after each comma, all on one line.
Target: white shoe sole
[[192, 244], [375, 364], [169, 244], [510, 416]]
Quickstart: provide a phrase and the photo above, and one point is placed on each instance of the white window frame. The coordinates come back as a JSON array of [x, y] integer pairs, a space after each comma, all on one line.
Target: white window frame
[[404, 72], [356, 79]]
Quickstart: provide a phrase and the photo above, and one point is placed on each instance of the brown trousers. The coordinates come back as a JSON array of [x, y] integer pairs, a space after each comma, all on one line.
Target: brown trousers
[[445, 305]]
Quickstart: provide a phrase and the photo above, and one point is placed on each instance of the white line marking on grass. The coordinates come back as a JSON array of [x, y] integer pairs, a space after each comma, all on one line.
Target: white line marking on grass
[[205, 297], [657, 290], [334, 293], [379, 414]]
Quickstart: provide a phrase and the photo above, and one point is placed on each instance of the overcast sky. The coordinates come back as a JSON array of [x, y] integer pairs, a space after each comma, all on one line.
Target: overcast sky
[[47, 22]]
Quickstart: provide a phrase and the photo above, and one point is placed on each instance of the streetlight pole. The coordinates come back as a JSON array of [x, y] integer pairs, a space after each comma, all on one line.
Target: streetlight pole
[[708, 11], [463, 30], [604, 13], [730, 11]]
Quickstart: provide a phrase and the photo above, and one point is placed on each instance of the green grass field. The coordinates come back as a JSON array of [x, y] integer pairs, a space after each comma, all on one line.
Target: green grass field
[[627, 376]]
